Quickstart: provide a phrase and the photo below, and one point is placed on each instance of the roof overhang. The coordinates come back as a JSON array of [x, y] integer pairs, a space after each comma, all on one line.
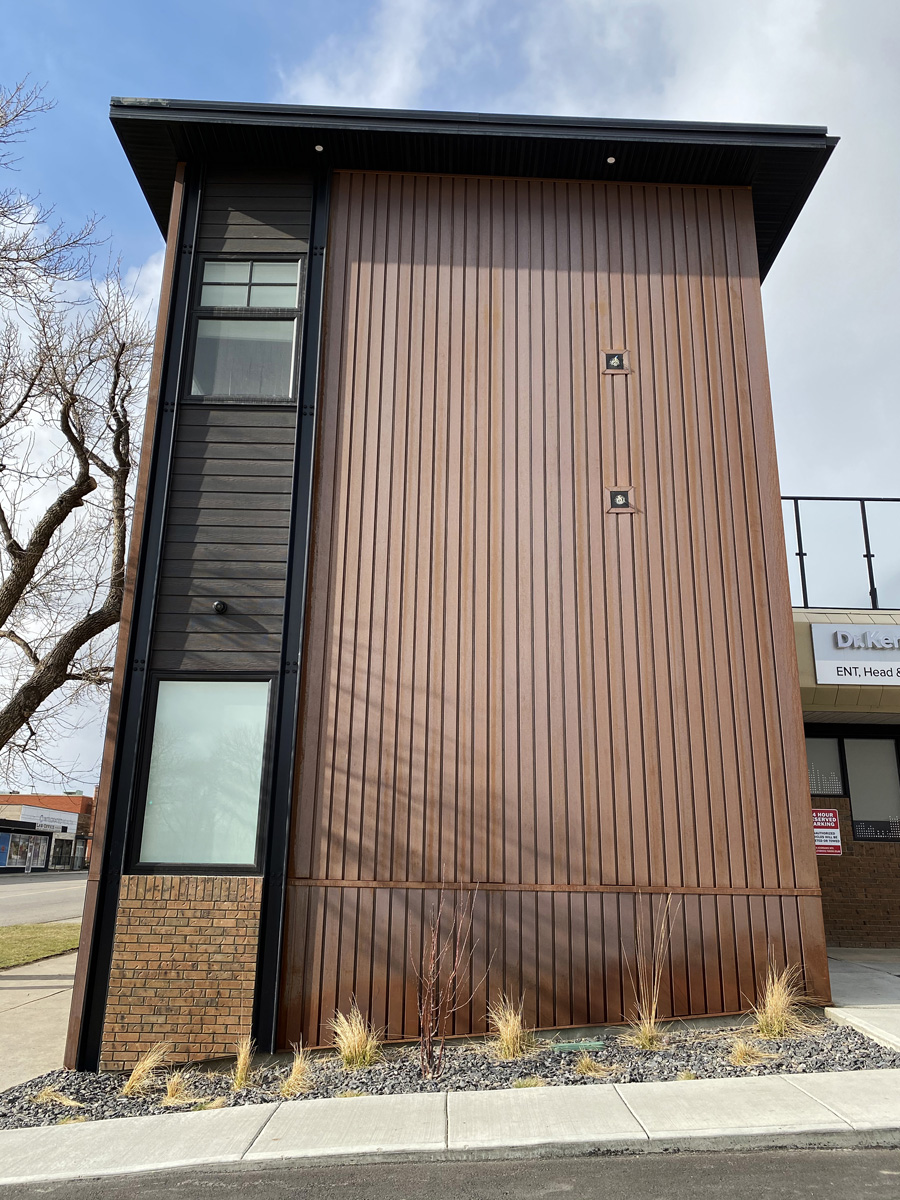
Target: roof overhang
[[781, 163]]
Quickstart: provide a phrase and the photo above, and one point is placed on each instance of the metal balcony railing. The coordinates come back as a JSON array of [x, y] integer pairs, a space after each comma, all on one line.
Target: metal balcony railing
[[843, 552]]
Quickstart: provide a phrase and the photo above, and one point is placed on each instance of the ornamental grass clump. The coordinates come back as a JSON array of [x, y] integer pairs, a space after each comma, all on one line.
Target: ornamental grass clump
[[300, 1078], [178, 1090], [646, 1032], [357, 1041], [780, 1012], [509, 1037], [143, 1074], [745, 1054], [244, 1049], [590, 1067], [530, 1081], [49, 1095]]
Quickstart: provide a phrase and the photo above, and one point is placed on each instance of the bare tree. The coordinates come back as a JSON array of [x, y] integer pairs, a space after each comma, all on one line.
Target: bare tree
[[73, 368], [443, 976]]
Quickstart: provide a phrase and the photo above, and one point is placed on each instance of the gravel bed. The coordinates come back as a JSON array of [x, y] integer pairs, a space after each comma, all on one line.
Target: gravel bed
[[467, 1067]]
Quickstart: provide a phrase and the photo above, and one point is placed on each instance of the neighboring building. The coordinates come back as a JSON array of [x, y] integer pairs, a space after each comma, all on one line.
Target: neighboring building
[[845, 581], [458, 561], [69, 818]]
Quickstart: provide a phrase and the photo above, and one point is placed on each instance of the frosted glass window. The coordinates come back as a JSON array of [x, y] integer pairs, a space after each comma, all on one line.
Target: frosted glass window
[[206, 767], [824, 763], [873, 779], [243, 358]]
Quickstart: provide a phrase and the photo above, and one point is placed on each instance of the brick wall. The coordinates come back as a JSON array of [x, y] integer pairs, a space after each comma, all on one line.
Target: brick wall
[[861, 888], [183, 967]]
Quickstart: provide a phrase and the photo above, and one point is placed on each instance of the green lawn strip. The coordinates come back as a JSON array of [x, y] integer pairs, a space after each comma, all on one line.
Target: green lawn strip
[[27, 943]]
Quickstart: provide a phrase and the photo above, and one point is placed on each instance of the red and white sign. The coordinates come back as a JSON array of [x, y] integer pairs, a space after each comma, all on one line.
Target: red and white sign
[[827, 830]]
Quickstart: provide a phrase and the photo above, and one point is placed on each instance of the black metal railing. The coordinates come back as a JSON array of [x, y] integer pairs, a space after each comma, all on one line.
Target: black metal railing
[[843, 551]]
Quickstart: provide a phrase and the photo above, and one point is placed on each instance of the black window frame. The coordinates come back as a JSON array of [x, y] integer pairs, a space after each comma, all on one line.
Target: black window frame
[[199, 312], [135, 865], [863, 831]]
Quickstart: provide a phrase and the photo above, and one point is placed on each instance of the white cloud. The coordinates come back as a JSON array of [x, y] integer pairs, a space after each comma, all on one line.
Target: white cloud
[[385, 66], [836, 287]]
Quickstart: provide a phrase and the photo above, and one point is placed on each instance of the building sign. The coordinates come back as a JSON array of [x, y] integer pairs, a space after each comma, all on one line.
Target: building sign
[[49, 819], [860, 655], [827, 830]]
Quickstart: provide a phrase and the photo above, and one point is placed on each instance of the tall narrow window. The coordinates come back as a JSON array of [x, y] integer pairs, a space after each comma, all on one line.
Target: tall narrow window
[[874, 788], [205, 776], [824, 762], [246, 330]]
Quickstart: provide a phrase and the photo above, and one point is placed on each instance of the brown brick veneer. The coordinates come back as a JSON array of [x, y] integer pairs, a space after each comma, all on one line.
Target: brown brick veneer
[[861, 889], [183, 966]]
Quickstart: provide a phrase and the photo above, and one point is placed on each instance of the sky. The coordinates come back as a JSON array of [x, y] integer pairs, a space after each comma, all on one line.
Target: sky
[[832, 299]]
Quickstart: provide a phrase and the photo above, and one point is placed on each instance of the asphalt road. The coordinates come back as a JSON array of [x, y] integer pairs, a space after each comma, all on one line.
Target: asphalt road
[[758, 1175], [47, 896]]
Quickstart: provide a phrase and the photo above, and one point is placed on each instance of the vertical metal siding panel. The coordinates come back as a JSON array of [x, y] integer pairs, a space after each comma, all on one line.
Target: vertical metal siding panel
[[498, 701], [485, 666], [437, 544], [454, 746], [381, 660], [649, 557], [741, 613], [571, 868], [603, 864], [521, 836], [728, 834], [391, 796], [505, 862], [679, 738]]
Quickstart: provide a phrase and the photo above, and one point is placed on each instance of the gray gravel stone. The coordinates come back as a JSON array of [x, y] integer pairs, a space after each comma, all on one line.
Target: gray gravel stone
[[467, 1067]]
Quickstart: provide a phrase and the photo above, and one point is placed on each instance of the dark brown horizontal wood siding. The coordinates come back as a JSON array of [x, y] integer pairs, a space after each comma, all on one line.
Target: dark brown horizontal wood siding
[[507, 684], [226, 539], [255, 214]]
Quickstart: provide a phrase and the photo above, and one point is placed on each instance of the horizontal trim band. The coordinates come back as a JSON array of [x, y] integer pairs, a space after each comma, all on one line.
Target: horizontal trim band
[[624, 888]]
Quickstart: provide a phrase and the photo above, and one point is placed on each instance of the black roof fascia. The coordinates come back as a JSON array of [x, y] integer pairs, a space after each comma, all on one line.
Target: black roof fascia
[[781, 163]]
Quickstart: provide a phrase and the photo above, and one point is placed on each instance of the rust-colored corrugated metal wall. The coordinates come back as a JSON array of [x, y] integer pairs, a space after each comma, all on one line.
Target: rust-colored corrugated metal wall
[[505, 683]]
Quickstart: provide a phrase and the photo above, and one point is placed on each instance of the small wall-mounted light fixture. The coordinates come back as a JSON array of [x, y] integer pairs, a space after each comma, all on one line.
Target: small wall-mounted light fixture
[[615, 362], [320, 148], [621, 500], [611, 159], [220, 607]]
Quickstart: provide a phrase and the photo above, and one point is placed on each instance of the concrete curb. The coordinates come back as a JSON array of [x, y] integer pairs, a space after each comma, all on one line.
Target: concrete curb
[[839, 1110]]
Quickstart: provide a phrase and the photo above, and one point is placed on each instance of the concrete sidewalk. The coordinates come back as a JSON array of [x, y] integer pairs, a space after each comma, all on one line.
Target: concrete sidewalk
[[841, 1110], [865, 988], [34, 1014]]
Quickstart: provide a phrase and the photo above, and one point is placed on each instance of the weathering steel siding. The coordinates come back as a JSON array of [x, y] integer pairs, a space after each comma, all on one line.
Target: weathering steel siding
[[505, 683]]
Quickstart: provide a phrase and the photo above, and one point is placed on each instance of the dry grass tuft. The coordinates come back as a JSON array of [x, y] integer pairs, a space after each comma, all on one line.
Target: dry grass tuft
[[780, 1012], [530, 1081], [355, 1039], [72, 1120], [144, 1069], [651, 953], [300, 1078], [745, 1054], [510, 1037], [178, 1090], [202, 1105], [350, 1095], [589, 1066], [685, 1075], [49, 1095], [241, 1074]]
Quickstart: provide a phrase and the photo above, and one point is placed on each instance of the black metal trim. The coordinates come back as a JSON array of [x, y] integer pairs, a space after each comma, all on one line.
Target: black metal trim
[[125, 761], [268, 973], [138, 866]]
